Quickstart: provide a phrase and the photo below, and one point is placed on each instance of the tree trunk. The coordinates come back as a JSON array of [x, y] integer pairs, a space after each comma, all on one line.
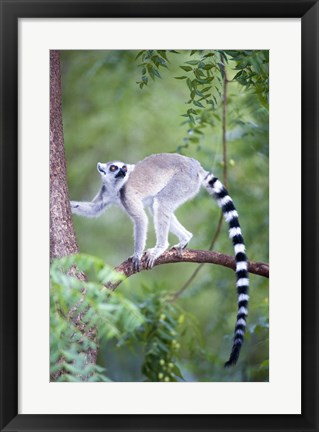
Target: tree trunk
[[62, 236]]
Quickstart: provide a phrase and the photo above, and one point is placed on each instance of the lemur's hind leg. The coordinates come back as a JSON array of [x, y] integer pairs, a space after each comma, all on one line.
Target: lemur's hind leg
[[178, 190], [136, 212], [162, 217], [181, 233]]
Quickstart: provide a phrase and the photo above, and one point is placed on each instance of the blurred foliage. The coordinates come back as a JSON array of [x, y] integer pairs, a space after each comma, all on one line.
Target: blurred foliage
[[78, 308], [126, 105]]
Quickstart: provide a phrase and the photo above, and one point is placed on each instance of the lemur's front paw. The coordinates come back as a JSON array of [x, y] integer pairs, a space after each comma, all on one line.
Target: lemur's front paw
[[74, 205]]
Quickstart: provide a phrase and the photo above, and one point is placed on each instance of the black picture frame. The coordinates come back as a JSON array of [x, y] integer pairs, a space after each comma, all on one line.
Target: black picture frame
[[11, 11]]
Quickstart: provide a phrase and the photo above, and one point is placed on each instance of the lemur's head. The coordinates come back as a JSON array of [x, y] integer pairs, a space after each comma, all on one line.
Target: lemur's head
[[114, 172]]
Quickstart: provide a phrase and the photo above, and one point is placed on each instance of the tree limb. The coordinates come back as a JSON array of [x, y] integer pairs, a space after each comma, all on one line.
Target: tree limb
[[188, 255]]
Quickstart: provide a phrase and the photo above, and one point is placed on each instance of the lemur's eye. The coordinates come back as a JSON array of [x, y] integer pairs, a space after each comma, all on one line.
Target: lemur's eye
[[113, 168], [124, 168]]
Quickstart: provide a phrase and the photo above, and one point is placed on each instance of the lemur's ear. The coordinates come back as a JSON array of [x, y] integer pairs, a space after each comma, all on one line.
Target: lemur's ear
[[101, 168], [130, 167]]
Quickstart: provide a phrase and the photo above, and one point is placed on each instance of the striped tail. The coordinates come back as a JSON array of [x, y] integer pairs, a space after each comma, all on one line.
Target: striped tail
[[219, 192]]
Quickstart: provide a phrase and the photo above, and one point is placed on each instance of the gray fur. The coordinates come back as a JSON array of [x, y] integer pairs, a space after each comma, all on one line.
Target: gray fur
[[159, 182]]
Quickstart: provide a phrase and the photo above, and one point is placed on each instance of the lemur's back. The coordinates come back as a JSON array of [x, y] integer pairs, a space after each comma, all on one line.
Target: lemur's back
[[155, 172]]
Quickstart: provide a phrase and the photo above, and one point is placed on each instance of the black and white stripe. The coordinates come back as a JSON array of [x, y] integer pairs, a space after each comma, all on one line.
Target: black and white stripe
[[219, 192]]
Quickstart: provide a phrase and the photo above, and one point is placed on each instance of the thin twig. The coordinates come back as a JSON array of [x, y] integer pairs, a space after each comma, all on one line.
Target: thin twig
[[224, 121], [196, 271], [225, 180]]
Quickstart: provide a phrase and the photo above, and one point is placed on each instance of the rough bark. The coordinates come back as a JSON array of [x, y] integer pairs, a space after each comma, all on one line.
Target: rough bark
[[62, 236]]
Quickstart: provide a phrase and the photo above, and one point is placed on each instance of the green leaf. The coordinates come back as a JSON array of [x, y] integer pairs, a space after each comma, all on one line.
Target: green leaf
[[264, 364], [204, 90], [156, 73], [139, 54], [199, 73], [189, 84], [186, 68], [191, 111], [199, 104], [192, 62], [223, 56], [199, 132], [166, 336], [162, 346], [162, 53], [177, 372], [238, 74]]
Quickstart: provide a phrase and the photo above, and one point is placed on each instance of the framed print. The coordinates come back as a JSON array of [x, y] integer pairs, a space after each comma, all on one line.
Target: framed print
[[139, 104]]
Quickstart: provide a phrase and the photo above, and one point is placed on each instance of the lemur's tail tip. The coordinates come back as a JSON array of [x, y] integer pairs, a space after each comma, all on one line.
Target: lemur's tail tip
[[233, 357], [229, 363]]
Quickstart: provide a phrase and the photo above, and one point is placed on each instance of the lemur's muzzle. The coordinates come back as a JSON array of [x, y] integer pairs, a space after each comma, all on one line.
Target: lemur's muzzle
[[121, 173]]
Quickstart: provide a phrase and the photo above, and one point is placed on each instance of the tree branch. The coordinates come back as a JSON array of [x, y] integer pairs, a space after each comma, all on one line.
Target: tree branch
[[188, 255]]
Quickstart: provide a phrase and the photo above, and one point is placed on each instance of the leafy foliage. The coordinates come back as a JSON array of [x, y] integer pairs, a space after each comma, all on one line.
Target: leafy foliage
[[80, 309], [253, 71], [162, 333], [205, 77], [152, 61]]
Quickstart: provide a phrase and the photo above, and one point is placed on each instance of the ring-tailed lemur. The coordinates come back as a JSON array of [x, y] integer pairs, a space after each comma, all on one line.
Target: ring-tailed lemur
[[163, 182]]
